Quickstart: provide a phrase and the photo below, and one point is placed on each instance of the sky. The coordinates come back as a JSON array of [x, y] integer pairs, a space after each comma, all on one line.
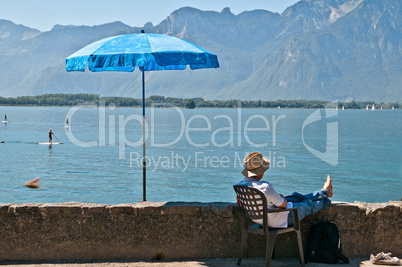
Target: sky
[[44, 14]]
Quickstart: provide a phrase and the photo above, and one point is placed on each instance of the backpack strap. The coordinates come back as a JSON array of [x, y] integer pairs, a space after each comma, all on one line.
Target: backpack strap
[[341, 256]]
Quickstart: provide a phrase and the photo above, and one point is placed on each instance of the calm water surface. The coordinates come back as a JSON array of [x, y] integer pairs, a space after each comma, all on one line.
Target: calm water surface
[[196, 155]]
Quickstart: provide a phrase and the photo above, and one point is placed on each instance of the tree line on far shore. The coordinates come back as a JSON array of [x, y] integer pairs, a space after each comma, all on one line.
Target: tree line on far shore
[[161, 101]]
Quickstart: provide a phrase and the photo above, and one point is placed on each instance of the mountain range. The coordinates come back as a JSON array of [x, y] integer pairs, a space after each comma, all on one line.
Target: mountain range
[[315, 49]]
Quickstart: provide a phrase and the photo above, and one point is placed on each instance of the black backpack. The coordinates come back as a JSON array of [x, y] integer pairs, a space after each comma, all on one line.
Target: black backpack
[[324, 245]]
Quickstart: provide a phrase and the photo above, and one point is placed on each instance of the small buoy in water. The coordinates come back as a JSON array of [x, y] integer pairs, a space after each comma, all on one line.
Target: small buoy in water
[[34, 183]]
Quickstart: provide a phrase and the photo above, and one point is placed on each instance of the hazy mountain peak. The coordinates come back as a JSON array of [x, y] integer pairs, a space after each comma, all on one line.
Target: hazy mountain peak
[[316, 49], [226, 11], [148, 25], [9, 31], [186, 10], [59, 27], [115, 24], [330, 9], [11, 25], [186, 21]]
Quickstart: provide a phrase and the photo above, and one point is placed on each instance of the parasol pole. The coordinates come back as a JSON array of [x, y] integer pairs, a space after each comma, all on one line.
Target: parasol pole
[[144, 168]]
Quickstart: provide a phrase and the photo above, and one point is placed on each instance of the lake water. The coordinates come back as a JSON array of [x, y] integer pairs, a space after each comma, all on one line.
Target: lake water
[[196, 155]]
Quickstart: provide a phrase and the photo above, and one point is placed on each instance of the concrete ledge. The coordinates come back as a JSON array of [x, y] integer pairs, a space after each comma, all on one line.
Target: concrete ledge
[[176, 230]]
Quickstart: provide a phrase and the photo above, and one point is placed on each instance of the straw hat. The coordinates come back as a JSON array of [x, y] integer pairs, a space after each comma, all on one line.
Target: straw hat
[[255, 164]]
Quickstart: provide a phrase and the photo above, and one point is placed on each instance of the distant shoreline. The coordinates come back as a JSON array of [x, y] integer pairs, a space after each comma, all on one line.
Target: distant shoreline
[[94, 100], [96, 106]]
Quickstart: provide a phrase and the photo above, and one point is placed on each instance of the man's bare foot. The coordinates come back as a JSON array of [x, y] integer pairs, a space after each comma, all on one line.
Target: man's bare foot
[[328, 186]]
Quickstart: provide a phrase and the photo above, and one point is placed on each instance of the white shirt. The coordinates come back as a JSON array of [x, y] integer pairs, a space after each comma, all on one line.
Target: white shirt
[[276, 220]]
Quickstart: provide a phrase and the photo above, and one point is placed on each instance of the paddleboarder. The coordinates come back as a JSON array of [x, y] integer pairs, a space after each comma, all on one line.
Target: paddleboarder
[[50, 136], [67, 123], [5, 117]]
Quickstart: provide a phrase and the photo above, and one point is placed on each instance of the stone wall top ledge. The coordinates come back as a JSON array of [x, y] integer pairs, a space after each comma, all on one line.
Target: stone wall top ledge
[[4, 207]]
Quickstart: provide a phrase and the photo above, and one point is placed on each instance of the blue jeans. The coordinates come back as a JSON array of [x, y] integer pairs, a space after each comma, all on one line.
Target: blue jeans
[[308, 204]]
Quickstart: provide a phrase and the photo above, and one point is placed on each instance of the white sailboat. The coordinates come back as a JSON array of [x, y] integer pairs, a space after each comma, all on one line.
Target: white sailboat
[[393, 107], [373, 107], [343, 107], [367, 107]]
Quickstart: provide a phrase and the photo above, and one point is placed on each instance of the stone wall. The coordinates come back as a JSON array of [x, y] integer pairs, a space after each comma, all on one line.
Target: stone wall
[[173, 230]]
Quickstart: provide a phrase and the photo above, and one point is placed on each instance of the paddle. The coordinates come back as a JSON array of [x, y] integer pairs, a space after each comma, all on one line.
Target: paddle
[[57, 139]]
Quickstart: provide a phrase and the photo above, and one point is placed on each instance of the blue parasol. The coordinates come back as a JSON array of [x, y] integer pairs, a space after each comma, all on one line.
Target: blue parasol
[[149, 52]]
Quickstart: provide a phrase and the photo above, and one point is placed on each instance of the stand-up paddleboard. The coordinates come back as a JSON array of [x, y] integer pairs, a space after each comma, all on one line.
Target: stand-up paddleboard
[[1, 142], [47, 143], [67, 126], [5, 121]]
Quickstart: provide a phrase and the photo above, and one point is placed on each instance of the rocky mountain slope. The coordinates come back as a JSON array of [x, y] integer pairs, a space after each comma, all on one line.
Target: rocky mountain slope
[[315, 49]]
